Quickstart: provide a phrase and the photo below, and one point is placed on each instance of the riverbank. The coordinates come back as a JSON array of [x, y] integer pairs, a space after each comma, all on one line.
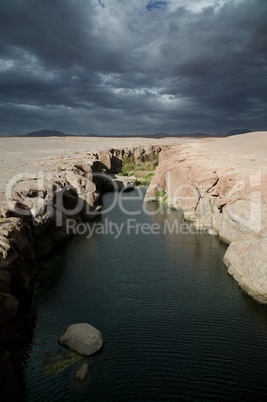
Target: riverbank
[[222, 187]]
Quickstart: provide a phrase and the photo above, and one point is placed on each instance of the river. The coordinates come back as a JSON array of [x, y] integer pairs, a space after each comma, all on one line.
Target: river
[[177, 327]]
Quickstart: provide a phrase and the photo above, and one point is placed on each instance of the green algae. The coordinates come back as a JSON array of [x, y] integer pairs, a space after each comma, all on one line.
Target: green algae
[[59, 362]]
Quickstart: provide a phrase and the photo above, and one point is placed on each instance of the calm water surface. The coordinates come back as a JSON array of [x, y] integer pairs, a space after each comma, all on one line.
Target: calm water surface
[[177, 326]]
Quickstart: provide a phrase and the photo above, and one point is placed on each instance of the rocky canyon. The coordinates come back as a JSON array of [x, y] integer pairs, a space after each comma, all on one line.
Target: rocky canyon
[[218, 184], [221, 185]]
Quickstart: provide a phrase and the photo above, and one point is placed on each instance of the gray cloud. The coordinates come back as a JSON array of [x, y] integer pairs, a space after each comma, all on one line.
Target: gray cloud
[[132, 67]]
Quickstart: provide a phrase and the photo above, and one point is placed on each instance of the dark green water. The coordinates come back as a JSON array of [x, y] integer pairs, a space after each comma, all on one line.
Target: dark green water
[[177, 327]]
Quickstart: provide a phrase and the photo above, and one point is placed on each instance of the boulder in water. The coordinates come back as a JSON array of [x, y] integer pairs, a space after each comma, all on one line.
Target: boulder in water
[[83, 339]]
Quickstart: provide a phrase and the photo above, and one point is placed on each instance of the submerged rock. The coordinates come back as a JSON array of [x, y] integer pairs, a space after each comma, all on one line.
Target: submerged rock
[[82, 338], [58, 363], [82, 372]]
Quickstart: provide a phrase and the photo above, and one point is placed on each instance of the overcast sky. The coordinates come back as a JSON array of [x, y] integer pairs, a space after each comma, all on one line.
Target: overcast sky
[[133, 66]]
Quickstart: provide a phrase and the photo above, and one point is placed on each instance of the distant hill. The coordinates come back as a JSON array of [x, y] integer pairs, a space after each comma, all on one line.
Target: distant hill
[[46, 133], [54, 133], [162, 134], [202, 135], [239, 131]]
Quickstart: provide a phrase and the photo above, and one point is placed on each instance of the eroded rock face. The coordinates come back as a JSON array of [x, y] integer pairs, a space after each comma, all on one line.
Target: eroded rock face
[[249, 268], [10, 389], [221, 185], [17, 269], [83, 339], [33, 221]]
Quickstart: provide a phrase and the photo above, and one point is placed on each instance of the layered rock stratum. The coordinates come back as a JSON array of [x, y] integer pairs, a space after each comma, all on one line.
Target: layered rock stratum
[[221, 186]]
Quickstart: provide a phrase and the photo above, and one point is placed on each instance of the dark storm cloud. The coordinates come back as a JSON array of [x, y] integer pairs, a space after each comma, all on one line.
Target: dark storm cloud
[[118, 67], [101, 3]]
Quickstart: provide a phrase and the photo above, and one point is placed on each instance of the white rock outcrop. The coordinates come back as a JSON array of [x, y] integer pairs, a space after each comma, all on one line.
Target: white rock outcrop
[[83, 339], [247, 263], [221, 185]]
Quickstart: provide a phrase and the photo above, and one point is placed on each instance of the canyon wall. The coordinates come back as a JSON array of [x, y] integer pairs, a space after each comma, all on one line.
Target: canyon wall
[[33, 215], [221, 185]]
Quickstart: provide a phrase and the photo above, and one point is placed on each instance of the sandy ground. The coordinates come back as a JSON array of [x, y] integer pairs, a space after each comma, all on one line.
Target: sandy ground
[[30, 155], [245, 146], [240, 153]]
